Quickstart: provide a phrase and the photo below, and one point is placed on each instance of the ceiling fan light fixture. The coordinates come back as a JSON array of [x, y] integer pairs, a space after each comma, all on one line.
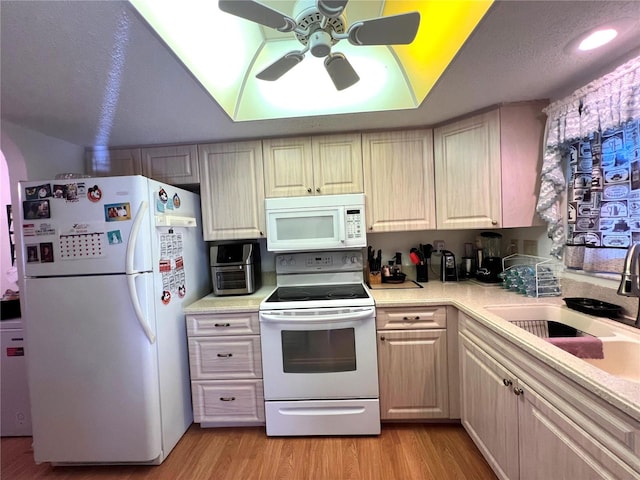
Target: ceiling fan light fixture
[[320, 43]]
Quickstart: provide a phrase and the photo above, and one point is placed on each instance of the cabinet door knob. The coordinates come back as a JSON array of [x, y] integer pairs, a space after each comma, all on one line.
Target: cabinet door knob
[[261, 234], [227, 399], [382, 338], [507, 382], [318, 189], [308, 190], [225, 355], [518, 390], [494, 222]]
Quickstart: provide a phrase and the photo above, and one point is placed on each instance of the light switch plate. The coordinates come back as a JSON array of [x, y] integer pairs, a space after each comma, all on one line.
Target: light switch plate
[[438, 245]]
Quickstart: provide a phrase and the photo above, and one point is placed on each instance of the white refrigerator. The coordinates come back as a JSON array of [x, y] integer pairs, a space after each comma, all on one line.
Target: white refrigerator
[[109, 265]]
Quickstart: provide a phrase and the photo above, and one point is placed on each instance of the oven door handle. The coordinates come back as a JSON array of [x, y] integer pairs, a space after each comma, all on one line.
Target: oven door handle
[[328, 319]]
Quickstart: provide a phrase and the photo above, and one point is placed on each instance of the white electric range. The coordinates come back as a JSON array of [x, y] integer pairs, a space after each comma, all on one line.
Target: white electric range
[[318, 338]]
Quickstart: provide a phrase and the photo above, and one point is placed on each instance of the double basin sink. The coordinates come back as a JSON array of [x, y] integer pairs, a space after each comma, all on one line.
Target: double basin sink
[[621, 347]]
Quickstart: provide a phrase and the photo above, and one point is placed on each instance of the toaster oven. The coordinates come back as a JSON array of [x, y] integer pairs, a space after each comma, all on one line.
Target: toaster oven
[[235, 268]]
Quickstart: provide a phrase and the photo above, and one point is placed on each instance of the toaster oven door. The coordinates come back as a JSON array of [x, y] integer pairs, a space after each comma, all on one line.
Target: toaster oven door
[[232, 280]]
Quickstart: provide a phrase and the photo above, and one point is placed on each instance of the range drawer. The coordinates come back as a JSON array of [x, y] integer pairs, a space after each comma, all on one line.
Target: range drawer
[[225, 357], [233, 401], [411, 318], [244, 323]]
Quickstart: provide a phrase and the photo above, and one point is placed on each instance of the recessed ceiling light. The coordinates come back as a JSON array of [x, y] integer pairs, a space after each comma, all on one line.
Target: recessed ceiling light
[[599, 35], [598, 38]]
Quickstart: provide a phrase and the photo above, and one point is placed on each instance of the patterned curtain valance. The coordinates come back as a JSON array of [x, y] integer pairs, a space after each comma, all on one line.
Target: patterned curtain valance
[[598, 106]]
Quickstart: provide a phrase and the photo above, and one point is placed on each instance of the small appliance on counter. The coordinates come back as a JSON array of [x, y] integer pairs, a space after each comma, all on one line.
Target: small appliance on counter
[[448, 270], [489, 259], [235, 268]]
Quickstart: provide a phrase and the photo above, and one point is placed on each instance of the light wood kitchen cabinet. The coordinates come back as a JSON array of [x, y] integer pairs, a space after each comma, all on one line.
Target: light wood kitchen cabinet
[[113, 161], [531, 422], [232, 190], [487, 168], [399, 180], [174, 164], [319, 165], [226, 369], [412, 363]]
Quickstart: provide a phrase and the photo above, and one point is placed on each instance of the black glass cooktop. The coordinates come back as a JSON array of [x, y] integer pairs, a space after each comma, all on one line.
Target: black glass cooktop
[[318, 292]]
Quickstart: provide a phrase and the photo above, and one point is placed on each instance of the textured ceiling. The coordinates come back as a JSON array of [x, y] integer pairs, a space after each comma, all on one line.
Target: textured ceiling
[[56, 56]]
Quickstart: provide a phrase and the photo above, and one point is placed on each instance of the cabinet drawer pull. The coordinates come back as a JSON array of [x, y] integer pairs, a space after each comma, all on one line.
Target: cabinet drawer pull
[[222, 325], [225, 354], [507, 382], [408, 318], [227, 399], [518, 391]]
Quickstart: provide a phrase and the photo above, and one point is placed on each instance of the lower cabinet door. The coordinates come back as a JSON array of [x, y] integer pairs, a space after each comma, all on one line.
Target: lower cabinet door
[[232, 402], [568, 451], [413, 374], [489, 409]]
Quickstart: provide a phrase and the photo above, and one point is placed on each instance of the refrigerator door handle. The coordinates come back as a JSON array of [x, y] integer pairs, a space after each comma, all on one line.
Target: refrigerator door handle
[[133, 293], [133, 237]]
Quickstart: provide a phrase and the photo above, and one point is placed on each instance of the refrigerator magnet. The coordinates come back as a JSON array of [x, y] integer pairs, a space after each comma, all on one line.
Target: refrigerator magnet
[[36, 209], [94, 194], [46, 252], [116, 212], [163, 196], [32, 254], [114, 237], [39, 191], [166, 297], [176, 201]]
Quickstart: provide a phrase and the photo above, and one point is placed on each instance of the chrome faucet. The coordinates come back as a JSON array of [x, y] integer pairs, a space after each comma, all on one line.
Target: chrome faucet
[[630, 281]]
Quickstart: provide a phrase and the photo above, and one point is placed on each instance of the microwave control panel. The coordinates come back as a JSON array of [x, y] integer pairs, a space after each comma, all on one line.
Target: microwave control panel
[[355, 227]]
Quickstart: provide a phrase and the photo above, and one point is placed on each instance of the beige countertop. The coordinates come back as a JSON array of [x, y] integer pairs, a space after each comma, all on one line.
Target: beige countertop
[[471, 298]]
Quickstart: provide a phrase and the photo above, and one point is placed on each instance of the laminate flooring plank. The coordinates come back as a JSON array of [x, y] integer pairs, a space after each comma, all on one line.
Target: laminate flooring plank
[[401, 452]]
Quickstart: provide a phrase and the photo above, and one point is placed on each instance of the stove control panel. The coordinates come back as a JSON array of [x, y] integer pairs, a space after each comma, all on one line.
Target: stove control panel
[[326, 261]]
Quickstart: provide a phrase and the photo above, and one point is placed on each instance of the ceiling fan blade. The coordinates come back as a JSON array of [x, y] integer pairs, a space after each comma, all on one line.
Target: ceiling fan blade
[[258, 13], [392, 30], [331, 8], [340, 70], [280, 66]]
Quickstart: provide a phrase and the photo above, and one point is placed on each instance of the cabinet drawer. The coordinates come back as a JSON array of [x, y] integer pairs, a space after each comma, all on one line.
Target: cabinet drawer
[[225, 357], [245, 323], [233, 401], [411, 318]]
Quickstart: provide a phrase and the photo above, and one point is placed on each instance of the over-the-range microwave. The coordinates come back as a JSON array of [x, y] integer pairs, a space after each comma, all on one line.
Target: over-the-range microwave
[[323, 222]]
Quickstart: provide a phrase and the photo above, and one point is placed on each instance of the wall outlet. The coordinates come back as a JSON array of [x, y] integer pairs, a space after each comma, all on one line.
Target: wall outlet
[[530, 247], [438, 246]]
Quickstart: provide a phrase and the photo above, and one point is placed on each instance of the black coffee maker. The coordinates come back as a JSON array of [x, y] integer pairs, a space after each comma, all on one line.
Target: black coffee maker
[[489, 259]]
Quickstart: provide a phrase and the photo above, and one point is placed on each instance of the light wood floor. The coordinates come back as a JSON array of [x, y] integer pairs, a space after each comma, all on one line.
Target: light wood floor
[[402, 451]]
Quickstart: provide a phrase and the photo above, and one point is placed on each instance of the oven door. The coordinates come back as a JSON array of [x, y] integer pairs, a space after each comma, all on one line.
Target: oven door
[[323, 353]]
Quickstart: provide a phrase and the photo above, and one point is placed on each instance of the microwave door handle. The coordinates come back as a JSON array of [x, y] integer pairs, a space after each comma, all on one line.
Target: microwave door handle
[[343, 226], [339, 317]]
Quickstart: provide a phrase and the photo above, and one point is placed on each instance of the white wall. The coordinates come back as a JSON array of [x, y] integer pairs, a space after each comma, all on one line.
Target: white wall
[[43, 156], [29, 155]]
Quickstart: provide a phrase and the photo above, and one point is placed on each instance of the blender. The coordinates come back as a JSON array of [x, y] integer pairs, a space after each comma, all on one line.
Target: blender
[[489, 259]]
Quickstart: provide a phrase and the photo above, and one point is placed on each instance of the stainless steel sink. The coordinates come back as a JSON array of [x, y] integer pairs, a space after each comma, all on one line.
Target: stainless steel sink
[[621, 347]]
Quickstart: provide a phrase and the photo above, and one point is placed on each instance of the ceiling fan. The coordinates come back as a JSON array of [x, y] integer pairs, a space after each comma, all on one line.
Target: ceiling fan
[[320, 24]]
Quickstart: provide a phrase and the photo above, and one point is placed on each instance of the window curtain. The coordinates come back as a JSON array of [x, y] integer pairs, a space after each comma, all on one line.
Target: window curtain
[[602, 105]]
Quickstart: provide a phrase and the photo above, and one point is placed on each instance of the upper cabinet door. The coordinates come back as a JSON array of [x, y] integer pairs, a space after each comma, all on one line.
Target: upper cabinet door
[[322, 165], [398, 179], [114, 162], [177, 164], [337, 164], [288, 169], [232, 190], [468, 177]]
